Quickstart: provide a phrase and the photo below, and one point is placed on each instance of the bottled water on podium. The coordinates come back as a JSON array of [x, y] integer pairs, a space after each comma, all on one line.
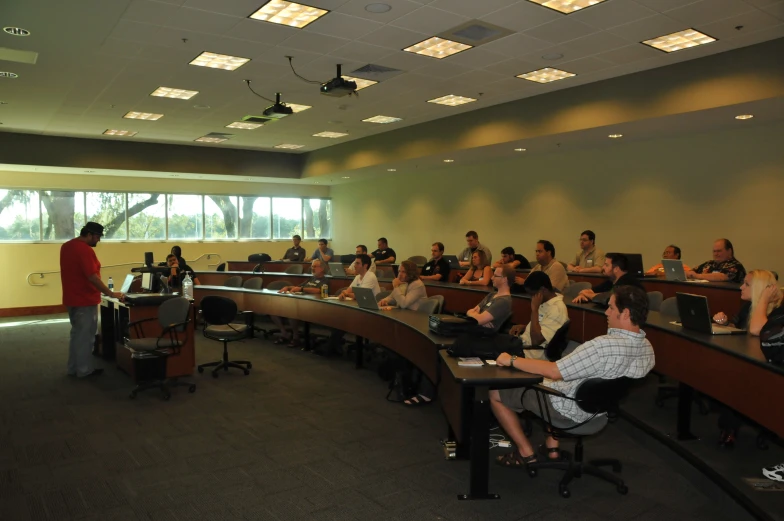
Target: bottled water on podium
[[111, 284], [187, 286]]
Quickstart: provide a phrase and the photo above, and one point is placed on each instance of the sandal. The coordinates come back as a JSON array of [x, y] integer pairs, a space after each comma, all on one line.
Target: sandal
[[280, 340], [515, 460], [417, 401], [547, 452]]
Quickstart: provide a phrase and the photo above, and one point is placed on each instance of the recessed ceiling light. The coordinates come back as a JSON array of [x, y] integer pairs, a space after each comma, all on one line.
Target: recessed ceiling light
[[361, 83], [378, 8], [289, 146], [381, 119], [519, 150], [126, 133], [449, 160], [288, 13], [391, 169], [345, 177], [201, 107], [16, 31], [244, 126], [451, 100], [219, 61], [12, 75], [3, 103], [615, 136], [333, 135], [436, 47], [745, 116], [546, 75], [206, 139], [143, 115], [552, 56], [679, 41], [298, 108], [566, 6], [168, 92]]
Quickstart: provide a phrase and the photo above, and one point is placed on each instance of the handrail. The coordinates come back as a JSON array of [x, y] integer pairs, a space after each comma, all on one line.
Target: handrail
[[42, 273]]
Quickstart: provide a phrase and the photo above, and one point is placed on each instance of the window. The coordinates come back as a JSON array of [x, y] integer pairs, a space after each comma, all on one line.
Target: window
[[20, 215], [146, 217], [317, 218], [220, 217], [255, 217], [107, 209], [185, 216], [62, 214], [286, 217]]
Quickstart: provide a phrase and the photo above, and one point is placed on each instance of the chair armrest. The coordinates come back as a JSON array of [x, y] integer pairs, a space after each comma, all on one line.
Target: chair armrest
[[137, 326], [141, 320], [547, 390], [171, 330]]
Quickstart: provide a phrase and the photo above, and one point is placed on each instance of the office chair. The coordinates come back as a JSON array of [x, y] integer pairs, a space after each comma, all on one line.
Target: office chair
[[555, 348], [294, 269], [385, 272], [440, 307], [419, 260], [574, 288], [173, 319], [233, 282], [258, 268], [595, 396], [259, 257], [383, 294], [428, 306], [254, 283], [221, 267], [347, 259], [655, 299], [218, 313], [669, 308]]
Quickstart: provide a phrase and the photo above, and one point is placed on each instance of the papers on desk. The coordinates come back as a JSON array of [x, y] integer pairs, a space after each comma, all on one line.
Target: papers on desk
[[696, 281], [469, 361], [335, 298]]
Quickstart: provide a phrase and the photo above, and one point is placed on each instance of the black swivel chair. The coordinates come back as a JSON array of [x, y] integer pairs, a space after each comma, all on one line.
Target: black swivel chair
[[600, 398], [221, 267], [259, 257], [555, 348], [233, 282], [173, 319], [218, 313]]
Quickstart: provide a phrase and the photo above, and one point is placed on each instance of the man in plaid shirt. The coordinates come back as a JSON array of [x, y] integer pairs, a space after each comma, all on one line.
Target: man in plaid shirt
[[623, 351]]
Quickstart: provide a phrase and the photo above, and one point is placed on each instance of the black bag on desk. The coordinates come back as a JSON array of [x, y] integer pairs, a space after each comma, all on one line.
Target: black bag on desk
[[487, 348], [772, 339], [451, 325]]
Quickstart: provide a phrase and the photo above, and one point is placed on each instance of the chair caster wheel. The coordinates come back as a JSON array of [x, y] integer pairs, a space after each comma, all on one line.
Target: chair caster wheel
[[564, 492], [247, 372], [215, 374], [659, 403], [132, 396], [201, 369], [532, 473], [192, 389], [166, 397], [250, 366], [623, 489]]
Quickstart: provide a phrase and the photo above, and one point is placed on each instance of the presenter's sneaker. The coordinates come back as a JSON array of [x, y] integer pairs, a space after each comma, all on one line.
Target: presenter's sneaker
[[776, 473]]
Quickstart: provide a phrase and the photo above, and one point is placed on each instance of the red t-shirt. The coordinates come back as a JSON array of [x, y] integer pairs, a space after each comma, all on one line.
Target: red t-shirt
[[77, 263]]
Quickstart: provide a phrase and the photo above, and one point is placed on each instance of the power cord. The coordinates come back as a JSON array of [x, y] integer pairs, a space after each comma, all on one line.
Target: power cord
[[312, 82], [247, 82], [498, 440]]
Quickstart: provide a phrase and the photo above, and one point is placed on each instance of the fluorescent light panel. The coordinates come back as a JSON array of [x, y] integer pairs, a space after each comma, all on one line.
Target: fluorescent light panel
[[289, 146], [288, 13], [298, 108], [679, 41], [143, 115], [361, 84], [168, 92], [744, 116], [451, 100], [436, 47], [205, 139], [219, 61], [122, 133], [546, 75], [382, 119], [244, 126], [566, 6], [333, 135]]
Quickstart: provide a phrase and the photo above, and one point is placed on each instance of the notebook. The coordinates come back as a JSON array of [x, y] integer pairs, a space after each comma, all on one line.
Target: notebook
[[126, 287], [453, 262], [635, 264], [365, 298], [695, 315]]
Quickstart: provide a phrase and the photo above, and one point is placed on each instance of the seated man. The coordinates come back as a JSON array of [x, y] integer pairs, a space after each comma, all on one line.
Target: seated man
[[671, 252], [364, 279], [384, 254], [313, 286], [296, 253], [517, 261], [622, 352], [496, 307], [472, 242], [176, 250], [548, 314], [546, 262], [590, 258], [437, 268], [177, 274], [615, 268], [360, 250], [723, 268], [322, 253]]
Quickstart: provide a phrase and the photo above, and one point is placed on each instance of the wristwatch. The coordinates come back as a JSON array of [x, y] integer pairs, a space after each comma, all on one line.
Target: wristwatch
[[512, 360]]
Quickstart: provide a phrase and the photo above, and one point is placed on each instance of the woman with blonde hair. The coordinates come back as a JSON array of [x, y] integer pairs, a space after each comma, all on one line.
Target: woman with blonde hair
[[479, 273], [408, 291]]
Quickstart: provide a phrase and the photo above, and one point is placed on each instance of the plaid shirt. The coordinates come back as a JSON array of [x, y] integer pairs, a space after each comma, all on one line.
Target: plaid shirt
[[614, 355], [733, 269]]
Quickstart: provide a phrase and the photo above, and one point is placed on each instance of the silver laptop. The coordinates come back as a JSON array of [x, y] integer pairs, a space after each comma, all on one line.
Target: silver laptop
[[695, 315], [365, 298], [453, 262], [336, 270], [126, 287], [673, 270]]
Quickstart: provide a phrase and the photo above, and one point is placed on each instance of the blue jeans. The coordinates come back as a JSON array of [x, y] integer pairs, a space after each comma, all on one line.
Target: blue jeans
[[84, 324]]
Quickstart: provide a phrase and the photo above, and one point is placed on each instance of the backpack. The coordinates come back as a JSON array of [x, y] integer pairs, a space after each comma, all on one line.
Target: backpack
[[451, 325], [487, 348], [772, 338]]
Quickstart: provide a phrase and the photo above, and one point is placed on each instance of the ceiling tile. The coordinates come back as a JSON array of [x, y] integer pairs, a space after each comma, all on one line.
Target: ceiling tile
[[405, 61], [399, 8], [593, 44], [584, 65], [707, 11], [122, 48], [629, 54], [522, 16], [477, 58], [361, 52], [664, 5], [134, 31], [202, 21], [257, 31], [393, 37], [763, 3], [171, 55], [472, 8], [610, 14], [561, 31], [151, 12], [442, 69], [277, 55], [751, 21], [478, 79], [647, 28], [429, 21], [776, 10], [313, 42], [343, 26], [512, 67], [239, 8], [515, 45]]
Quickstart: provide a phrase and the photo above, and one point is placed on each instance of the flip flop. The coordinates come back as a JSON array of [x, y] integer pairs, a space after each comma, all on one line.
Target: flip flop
[[515, 460], [417, 401]]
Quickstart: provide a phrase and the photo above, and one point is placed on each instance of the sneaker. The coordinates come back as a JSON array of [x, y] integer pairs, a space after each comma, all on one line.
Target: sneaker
[[775, 473]]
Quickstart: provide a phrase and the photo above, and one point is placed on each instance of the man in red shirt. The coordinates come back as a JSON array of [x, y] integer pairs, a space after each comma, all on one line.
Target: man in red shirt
[[80, 273]]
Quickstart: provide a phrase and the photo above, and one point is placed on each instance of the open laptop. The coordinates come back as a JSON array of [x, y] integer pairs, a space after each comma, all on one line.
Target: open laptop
[[126, 287], [673, 270], [454, 264], [695, 315], [336, 270], [365, 298], [635, 264]]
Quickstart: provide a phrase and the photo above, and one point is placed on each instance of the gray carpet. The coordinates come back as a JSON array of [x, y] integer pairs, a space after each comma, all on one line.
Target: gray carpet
[[300, 438]]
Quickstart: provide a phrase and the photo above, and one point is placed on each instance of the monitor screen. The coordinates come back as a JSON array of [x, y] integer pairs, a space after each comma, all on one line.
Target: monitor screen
[[147, 281]]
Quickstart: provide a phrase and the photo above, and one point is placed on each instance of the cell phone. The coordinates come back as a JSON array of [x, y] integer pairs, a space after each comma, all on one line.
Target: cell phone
[[490, 362]]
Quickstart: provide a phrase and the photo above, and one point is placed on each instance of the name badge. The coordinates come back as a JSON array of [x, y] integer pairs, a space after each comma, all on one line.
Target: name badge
[[384, 252], [427, 268]]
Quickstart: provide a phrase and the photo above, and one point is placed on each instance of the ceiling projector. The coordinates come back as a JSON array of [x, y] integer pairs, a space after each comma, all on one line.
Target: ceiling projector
[[338, 87], [271, 113]]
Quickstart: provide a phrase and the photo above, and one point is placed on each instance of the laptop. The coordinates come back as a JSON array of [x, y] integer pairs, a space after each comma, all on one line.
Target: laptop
[[336, 270], [673, 270], [126, 287], [454, 264], [365, 298], [635, 264], [695, 315]]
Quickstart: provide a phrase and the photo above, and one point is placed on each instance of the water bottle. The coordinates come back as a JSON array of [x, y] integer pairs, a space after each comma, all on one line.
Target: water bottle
[[111, 284], [324, 291], [187, 286]]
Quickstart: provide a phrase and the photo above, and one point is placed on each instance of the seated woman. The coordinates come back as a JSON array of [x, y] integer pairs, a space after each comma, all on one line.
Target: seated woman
[[408, 290], [761, 296], [479, 273]]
